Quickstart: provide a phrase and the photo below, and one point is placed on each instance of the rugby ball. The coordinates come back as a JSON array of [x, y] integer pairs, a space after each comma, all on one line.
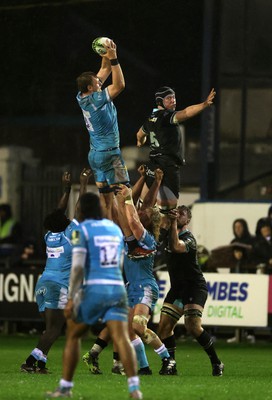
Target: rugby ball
[[98, 45]]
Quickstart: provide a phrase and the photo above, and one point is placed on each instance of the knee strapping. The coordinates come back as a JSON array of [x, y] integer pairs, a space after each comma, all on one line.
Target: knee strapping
[[193, 312], [149, 336], [171, 312], [140, 320]]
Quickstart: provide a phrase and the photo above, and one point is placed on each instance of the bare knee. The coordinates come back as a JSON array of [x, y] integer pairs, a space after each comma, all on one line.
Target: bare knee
[[192, 321]]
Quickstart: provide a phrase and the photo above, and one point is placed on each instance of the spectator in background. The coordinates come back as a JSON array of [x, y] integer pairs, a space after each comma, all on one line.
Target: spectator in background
[[242, 243], [242, 246], [262, 250], [10, 231]]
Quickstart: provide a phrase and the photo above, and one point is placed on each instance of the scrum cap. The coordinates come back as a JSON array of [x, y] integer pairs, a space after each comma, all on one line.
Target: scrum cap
[[161, 93]]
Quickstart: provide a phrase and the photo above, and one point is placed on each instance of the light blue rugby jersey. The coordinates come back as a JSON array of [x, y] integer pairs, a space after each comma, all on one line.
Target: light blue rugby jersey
[[59, 255], [140, 269], [102, 242], [100, 117]]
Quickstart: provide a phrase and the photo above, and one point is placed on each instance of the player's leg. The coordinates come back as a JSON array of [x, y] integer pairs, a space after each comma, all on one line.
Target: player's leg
[[139, 347], [170, 315], [139, 324], [119, 333], [54, 322], [54, 296], [91, 357], [70, 360], [193, 325]]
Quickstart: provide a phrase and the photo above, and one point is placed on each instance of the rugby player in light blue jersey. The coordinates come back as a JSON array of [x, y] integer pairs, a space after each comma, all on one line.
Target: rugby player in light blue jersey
[[97, 292], [52, 288], [100, 117], [142, 288]]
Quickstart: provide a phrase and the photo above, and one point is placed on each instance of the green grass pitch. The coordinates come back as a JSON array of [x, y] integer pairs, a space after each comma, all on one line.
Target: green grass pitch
[[248, 373]]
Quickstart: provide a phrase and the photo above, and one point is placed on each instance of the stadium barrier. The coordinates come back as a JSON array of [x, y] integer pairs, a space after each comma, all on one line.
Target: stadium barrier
[[239, 300]]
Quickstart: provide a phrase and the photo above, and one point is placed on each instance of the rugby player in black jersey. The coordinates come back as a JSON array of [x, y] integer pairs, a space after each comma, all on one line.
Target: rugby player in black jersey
[[166, 142], [188, 291]]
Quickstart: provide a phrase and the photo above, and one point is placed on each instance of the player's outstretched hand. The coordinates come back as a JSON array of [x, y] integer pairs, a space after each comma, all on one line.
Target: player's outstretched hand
[[85, 175], [210, 98]]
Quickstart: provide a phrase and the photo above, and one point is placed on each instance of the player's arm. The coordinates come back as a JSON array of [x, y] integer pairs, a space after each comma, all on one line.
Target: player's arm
[[141, 137], [83, 179], [122, 217], [131, 213], [76, 278], [151, 196], [176, 245], [139, 184], [118, 80], [195, 109], [105, 70], [66, 183]]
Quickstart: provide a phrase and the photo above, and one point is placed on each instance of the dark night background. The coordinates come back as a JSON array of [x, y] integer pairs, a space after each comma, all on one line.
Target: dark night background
[[46, 45]]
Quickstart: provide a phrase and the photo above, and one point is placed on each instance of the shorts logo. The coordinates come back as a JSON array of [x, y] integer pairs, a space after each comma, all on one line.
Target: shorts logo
[[41, 291]]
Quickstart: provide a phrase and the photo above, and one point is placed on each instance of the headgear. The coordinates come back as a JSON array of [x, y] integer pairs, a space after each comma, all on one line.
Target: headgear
[[161, 93]]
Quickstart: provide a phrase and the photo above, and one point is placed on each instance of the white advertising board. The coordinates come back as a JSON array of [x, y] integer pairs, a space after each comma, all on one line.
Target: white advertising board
[[233, 299]]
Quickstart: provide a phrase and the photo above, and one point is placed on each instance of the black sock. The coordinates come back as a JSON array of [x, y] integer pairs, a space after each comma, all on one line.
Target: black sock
[[41, 364], [102, 343], [170, 344], [31, 360], [116, 356], [206, 342]]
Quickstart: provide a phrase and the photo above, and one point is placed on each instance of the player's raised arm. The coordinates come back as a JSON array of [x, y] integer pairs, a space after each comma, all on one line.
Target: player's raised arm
[[195, 109], [118, 80]]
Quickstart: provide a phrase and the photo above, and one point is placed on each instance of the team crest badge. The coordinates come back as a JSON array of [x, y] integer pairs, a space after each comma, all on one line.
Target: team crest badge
[[75, 237]]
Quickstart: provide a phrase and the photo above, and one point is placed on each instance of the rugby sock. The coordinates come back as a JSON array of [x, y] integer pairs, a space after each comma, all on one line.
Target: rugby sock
[[162, 352], [42, 361], [133, 383], [65, 384], [170, 344], [140, 352], [34, 356], [205, 340], [99, 345], [116, 356]]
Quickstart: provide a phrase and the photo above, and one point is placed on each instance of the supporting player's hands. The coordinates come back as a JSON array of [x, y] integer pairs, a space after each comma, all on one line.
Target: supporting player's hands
[[209, 101], [158, 174], [85, 175], [126, 192], [142, 169], [173, 215]]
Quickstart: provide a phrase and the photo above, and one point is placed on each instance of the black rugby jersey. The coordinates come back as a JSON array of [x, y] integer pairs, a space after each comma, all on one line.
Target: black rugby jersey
[[184, 267], [165, 137]]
